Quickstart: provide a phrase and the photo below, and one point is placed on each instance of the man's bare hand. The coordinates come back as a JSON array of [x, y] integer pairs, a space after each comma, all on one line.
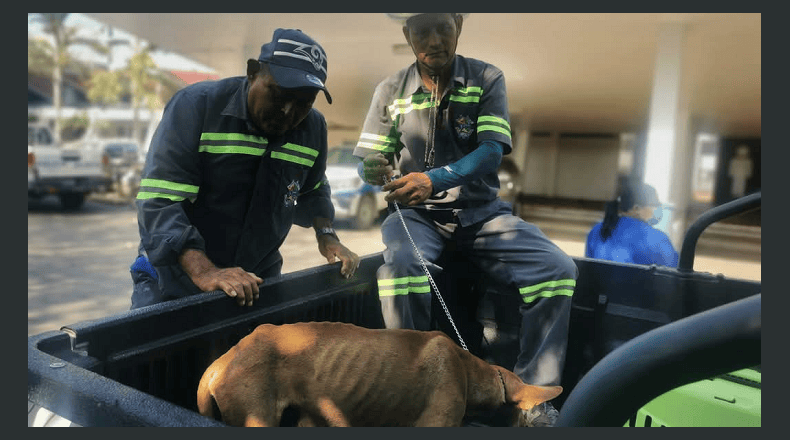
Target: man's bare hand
[[411, 189], [333, 250], [374, 167], [234, 281]]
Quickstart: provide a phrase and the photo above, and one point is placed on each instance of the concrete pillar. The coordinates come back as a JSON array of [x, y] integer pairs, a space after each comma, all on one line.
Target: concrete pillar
[[551, 164], [667, 139], [519, 153]]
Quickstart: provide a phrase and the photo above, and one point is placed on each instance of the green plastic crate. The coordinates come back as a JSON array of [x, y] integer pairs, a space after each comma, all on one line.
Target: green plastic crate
[[730, 400]]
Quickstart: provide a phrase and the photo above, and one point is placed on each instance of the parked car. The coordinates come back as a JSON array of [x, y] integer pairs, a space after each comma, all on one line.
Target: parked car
[[67, 170], [355, 201], [121, 155]]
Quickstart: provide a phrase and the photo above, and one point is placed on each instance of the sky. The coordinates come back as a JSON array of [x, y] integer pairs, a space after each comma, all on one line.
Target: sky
[[91, 28]]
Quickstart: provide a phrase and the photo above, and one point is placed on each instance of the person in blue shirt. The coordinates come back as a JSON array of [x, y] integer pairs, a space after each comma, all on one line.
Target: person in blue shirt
[[626, 234]]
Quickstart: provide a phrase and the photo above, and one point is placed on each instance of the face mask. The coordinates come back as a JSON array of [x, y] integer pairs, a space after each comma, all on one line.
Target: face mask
[[657, 214]]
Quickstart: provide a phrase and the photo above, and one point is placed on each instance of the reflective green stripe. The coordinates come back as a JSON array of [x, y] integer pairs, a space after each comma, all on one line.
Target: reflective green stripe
[[468, 90], [504, 131], [233, 137], [403, 111], [231, 149], [403, 280], [417, 97], [291, 158], [375, 137], [166, 184], [301, 149], [387, 287], [384, 144], [404, 290], [493, 123], [547, 284], [382, 148], [467, 94], [419, 101], [143, 195], [549, 294], [464, 98], [232, 143], [494, 119], [547, 290]]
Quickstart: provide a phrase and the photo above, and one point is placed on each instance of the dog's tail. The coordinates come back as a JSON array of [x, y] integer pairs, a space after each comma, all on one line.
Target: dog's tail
[[206, 404]]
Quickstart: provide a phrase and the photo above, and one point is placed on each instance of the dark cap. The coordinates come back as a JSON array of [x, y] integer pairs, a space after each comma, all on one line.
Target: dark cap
[[638, 193], [296, 60]]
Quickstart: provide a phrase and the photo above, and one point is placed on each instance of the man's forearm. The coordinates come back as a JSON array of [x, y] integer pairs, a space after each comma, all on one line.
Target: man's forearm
[[195, 263], [483, 160]]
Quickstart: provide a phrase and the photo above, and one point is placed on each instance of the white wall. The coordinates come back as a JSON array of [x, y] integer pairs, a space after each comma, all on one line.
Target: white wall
[[587, 168], [571, 167]]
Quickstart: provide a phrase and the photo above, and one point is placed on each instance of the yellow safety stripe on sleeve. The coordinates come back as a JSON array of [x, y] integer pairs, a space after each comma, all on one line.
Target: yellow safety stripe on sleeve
[[404, 286], [547, 289], [158, 188], [493, 123], [143, 195]]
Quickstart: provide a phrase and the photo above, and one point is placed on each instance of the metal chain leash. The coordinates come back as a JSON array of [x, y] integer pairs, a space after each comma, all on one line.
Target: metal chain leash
[[430, 153], [430, 278]]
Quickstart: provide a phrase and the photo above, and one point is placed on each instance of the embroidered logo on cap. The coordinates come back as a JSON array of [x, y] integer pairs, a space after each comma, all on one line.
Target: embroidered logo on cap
[[307, 52]]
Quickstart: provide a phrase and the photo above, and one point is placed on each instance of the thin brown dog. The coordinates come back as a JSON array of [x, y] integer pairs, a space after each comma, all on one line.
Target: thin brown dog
[[340, 374]]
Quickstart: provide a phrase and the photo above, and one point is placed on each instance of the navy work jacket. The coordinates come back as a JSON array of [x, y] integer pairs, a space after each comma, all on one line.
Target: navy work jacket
[[213, 182]]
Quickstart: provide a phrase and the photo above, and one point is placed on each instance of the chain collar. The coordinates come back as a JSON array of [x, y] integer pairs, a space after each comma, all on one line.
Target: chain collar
[[502, 379]]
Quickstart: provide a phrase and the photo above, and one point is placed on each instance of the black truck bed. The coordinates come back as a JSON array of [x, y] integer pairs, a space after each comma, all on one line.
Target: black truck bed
[[142, 367]]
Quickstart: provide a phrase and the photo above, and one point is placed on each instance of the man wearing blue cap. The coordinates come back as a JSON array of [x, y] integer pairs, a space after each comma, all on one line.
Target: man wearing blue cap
[[439, 127], [225, 169]]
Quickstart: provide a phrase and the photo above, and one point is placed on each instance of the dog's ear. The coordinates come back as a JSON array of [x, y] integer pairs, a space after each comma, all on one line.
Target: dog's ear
[[523, 395], [530, 395]]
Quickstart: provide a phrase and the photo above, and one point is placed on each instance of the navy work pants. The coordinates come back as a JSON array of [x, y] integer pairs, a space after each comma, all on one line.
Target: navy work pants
[[507, 249]]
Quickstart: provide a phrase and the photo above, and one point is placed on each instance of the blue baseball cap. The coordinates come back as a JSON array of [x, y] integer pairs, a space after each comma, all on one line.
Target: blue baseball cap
[[296, 60]]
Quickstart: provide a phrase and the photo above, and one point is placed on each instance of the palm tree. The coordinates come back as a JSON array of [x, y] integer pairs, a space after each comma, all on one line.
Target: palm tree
[[53, 57]]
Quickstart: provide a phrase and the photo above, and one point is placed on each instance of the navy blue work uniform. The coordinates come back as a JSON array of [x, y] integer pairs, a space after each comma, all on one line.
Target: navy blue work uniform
[[213, 182], [632, 241], [471, 110]]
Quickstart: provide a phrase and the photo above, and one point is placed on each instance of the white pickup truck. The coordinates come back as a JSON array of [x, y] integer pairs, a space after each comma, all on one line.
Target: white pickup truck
[[66, 171]]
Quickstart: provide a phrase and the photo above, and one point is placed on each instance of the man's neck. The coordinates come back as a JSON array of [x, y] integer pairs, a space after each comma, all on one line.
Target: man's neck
[[429, 78]]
